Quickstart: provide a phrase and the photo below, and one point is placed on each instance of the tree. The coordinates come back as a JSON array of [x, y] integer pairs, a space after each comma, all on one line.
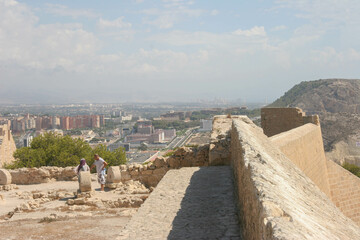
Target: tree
[[52, 149], [114, 158]]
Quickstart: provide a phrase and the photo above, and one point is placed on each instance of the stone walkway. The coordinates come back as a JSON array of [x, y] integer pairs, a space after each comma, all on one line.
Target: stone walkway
[[188, 203]]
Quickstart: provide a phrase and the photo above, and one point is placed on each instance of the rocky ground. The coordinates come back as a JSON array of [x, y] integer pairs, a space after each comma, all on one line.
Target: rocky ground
[[55, 211]]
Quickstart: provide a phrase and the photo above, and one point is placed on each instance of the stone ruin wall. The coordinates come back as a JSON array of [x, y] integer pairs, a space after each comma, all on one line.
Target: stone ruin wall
[[24, 176], [304, 147], [278, 120], [7, 145], [148, 174], [220, 141], [276, 199], [151, 174]]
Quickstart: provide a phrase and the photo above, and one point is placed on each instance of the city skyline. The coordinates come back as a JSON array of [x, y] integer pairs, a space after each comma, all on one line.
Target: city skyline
[[172, 50]]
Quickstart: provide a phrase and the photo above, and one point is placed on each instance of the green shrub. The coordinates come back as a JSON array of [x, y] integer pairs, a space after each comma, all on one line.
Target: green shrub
[[52, 149], [352, 168]]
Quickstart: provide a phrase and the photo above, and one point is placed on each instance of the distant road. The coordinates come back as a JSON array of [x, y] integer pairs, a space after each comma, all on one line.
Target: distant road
[[181, 141]]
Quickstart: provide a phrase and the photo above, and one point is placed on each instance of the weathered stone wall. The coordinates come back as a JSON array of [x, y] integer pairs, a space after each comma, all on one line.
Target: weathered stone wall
[[345, 190], [7, 145], [304, 147], [219, 152], [42, 175], [276, 199], [150, 174], [278, 120]]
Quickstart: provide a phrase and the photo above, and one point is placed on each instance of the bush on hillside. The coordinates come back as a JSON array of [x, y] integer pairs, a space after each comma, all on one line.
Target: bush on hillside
[[352, 168]]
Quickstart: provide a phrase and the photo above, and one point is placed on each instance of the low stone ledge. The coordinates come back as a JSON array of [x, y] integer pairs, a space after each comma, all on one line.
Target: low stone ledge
[[42, 175]]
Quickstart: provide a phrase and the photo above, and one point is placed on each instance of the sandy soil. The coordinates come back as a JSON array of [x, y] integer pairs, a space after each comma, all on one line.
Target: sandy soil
[[100, 227]]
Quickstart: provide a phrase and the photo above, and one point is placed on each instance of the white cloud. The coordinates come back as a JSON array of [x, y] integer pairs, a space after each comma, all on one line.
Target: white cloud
[[174, 11], [42, 46], [214, 12], [344, 11], [253, 32], [62, 10], [279, 28], [117, 23]]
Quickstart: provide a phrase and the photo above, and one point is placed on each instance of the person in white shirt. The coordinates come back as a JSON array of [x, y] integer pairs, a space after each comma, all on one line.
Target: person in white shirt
[[100, 165]]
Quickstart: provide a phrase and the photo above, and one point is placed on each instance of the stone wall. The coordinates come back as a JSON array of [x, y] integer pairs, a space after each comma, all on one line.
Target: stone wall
[[150, 174], [220, 141], [7, 145], [345, 190], [276, 199], [304, 147], [278, 120], [42, 175]]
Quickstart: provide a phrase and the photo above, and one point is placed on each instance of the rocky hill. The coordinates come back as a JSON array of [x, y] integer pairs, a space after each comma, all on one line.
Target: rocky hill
[[325, 95], [337, 102]]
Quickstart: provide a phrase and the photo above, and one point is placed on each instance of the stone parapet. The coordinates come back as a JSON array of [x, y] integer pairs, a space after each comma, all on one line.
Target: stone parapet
[[219, 150], [278, 120], [345, 190], [276, 199], [304, 147]]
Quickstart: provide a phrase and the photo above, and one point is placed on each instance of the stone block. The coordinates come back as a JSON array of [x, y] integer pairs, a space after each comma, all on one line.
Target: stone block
[[113, 175], [84, 181], [5, 177], [159, 162]]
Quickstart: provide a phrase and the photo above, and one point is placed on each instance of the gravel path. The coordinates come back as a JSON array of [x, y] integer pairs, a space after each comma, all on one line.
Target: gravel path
[[188, 203]]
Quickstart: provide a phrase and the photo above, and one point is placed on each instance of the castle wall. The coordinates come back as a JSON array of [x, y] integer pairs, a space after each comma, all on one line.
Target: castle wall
[[278, 120], [304, 147], [219, 152], [276, 199], [345, 190], [7, 145], [151, 174]]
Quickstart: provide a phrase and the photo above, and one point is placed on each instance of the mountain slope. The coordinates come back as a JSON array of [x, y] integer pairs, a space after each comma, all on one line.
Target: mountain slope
[[326, 95], [337, 102]]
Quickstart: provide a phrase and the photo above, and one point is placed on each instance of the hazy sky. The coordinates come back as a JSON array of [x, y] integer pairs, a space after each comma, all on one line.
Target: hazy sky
[[172, 50]]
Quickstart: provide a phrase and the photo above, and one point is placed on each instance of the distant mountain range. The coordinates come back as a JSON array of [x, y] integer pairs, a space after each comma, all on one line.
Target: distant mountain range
[[337, 102]]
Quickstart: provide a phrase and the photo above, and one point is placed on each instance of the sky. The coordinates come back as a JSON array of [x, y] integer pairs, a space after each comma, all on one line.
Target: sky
[[63, 51]]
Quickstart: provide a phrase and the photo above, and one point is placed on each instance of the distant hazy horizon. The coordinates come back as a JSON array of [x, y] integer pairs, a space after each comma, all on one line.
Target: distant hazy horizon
[[54, 52]]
